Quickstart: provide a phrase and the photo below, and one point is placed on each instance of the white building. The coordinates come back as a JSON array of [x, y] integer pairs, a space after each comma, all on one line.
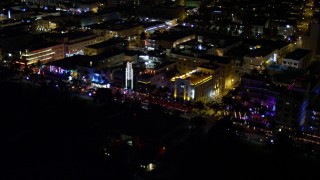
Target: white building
[[299, 58]]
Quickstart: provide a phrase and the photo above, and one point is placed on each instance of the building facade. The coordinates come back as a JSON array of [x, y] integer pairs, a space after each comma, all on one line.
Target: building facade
[[43, 55], [299, 58]]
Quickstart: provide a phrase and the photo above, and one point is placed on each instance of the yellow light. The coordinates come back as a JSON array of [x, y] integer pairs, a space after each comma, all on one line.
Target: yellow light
[[29, 59], [148, 82], [31, 54], [183, 76], [202, 81]]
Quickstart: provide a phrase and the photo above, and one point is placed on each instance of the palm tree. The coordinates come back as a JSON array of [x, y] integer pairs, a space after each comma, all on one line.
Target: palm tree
[[143, 36], [199, 105], [27, 70], [266, 73], [234, 92], [216, 106], [245, 98], [229, 102]]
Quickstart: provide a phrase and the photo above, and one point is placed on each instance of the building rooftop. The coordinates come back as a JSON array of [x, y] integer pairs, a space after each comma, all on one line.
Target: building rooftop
[[198, 80], [154, 23], [70, 62], [108, 43], [70, 35], [277, 67], [180, 28], [171, 36], [115, 25], [131, 52], [280, 44], [209, 66], [164, 64], [83, 60], [124, 26], [107, 54], [297, 54], [296, 94], [105, 25], [215, 59], [288, 76], [144, 77], [211, 58], [265, 47], [39, 44], [191, 42], [261, 52], [195, 77]]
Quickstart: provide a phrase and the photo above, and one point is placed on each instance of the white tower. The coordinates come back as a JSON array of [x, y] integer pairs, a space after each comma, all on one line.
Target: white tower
[[129, 76]]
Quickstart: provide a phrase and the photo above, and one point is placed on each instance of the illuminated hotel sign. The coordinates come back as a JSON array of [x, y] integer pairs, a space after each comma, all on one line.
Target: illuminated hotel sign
[[97, 85], [129, 76]]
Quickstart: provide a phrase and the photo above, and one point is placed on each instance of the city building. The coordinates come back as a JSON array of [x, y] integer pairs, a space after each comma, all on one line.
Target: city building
[[158, 76], [311, 41], [63, 68], [258, 27], [260, 90], [124, 3], [93, 69], [42, 52], [151, 27], [168, 40], [117, 28], [201, 84], [42, 2], [258, 54], [86, 6], [215, 45], [74, 41], [112, 44], [129, 76], [287, 30], [76, 44], [108, 59], [229, 77], [299, 58], [9, 22], [131, 56], [291, 109], [294, 99], [312, 124]]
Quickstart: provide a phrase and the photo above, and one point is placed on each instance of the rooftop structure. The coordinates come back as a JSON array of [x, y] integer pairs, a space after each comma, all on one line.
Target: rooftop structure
[[298, 54]]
